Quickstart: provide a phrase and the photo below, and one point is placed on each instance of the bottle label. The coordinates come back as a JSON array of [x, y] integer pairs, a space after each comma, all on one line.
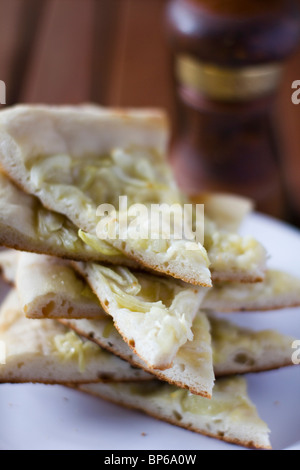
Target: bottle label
[[228, 84]]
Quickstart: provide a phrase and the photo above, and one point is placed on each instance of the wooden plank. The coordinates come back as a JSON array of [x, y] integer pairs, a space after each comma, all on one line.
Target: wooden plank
[[60, 67], [141, 71], [105, 34], [9, 22], [18, 21]]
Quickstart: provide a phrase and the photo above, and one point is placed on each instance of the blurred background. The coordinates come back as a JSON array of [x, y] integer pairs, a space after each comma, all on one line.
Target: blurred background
[[116, 53]]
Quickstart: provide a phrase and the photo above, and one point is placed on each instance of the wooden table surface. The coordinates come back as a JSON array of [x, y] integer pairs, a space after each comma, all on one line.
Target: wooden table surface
[[112, 52]]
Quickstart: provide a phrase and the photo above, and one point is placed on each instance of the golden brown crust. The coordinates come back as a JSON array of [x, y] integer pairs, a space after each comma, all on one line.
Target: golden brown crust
[[249, 445], [105, 308], [158, 269], [127, 341], [43, 249], [132, 347], [155, 372]]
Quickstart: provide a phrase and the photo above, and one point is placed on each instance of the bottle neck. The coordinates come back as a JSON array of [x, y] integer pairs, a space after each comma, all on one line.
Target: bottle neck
[[228, 40]]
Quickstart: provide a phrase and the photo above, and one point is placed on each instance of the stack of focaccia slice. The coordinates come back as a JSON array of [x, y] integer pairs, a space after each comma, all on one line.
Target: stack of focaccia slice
[[135, 320]]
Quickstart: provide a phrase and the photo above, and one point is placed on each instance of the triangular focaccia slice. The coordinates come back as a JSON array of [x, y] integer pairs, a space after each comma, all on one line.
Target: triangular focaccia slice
[[192, 366], [279, 290], [153, 315], [28, 226], [45, 351], [74, 159], [229, 415], [238, 350], [49, 287]]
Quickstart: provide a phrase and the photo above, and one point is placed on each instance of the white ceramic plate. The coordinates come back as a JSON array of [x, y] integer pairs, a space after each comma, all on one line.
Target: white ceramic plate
[[53, 417]]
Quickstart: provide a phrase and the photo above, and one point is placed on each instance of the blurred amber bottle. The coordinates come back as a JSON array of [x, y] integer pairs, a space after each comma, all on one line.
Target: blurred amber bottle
[[228, 60]]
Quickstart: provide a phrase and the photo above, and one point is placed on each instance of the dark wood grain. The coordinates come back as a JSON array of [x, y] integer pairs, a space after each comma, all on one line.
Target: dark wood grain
[[59, 69], [18, 24], [141, 63], [9, 41], [106, 25]]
